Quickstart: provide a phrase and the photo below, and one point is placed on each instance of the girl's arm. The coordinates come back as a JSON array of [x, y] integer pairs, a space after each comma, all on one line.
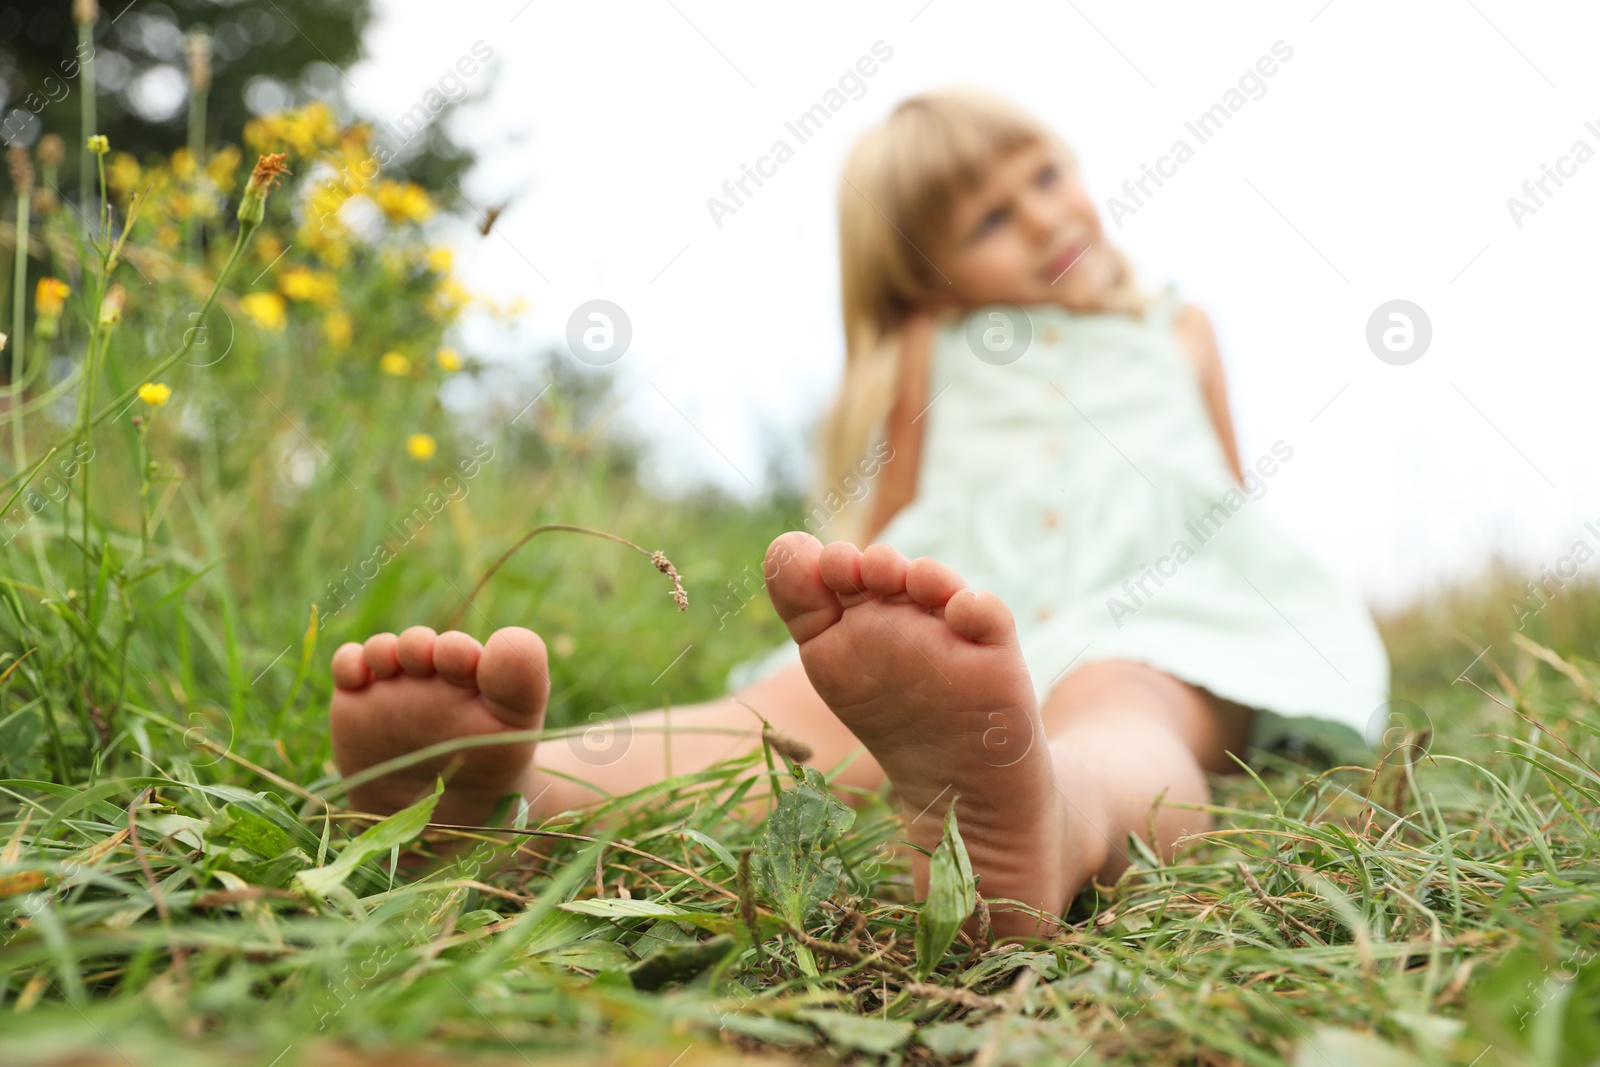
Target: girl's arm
[[897, 481], [1200, 345]]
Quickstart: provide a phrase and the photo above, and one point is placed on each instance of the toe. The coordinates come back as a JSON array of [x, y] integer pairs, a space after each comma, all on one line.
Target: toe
[[840, 563], [980, 617], [350, 671], [794, 584], [455, 657], [883, 570], [514, 678], [414, 650], [379, 652], [932, 583]]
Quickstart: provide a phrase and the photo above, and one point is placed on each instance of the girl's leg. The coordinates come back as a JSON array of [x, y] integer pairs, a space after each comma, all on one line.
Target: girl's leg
[[1123, 733], [648, 746]]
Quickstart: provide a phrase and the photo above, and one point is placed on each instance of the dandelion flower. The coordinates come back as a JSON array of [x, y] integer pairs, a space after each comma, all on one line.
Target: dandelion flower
[[99, 145], [440, 260], [420, 446], [184, 166], [403, 200], [222, 168], [396, 364], [298, 283], [265, 309], [449, 360], [155, 394]]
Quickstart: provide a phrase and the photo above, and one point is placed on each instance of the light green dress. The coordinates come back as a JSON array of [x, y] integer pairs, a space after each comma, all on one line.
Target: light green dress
[[1084, 483]]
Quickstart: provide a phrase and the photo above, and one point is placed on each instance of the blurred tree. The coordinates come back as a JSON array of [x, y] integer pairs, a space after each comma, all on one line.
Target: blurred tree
[[265, 56]]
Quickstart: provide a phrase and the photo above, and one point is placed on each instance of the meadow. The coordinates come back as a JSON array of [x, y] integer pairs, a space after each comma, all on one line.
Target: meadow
[[237, 438]]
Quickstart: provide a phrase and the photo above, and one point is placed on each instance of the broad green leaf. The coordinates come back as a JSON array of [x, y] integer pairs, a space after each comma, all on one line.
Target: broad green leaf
[[251, 831], [679, 962], [717, 847], [952, 896], [615, 909], [590, 955], [376, 840], [789, 865]]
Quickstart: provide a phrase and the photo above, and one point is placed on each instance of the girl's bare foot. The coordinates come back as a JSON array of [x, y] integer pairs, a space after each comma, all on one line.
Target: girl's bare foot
[[929, 676], [394, 695]]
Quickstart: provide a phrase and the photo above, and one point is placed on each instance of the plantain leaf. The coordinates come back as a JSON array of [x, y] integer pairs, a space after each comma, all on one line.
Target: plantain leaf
[[952, 896], [789, 865]]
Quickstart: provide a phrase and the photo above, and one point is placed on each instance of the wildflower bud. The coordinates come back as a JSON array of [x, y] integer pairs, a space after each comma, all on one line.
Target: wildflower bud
[[52, 150], [111, 307], [85, 11], [269, 169], [98, 144], [21, 169], [199, 49], [49, 297]]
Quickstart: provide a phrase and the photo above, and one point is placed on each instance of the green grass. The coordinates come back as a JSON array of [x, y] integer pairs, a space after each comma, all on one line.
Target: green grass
[[167, 789]]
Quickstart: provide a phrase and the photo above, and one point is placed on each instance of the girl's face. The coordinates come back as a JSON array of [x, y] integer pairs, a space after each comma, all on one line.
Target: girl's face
[[1029, 234]]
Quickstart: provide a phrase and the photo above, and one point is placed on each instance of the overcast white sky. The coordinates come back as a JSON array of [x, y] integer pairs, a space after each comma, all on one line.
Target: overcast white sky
[[1376, 166]]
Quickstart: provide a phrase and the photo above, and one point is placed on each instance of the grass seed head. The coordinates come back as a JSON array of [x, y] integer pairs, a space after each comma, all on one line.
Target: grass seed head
[[664, 565], [21, 169]]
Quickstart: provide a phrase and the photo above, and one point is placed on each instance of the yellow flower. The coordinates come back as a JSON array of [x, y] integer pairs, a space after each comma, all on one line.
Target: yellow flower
[[308, 286], [396, 364], [155, 394], [304, 131], [421, 446], [122, 173], [449, 299], [329, 242], [222, 168], [440, 260], [49, 296], [449, 359], [267, 309], [183, 164], [99, 145], [403, 200], [338, 329]]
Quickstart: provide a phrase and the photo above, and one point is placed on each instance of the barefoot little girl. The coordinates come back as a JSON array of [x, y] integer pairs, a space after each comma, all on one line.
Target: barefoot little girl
[[1042, 431]]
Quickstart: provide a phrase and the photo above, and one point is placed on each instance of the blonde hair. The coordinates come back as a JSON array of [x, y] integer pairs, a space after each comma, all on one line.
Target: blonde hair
[[899, 185]]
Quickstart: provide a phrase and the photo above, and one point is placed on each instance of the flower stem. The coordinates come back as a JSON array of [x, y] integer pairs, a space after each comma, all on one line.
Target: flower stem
[[529, 536], [120, 403], [19, 332], [86, 102]]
